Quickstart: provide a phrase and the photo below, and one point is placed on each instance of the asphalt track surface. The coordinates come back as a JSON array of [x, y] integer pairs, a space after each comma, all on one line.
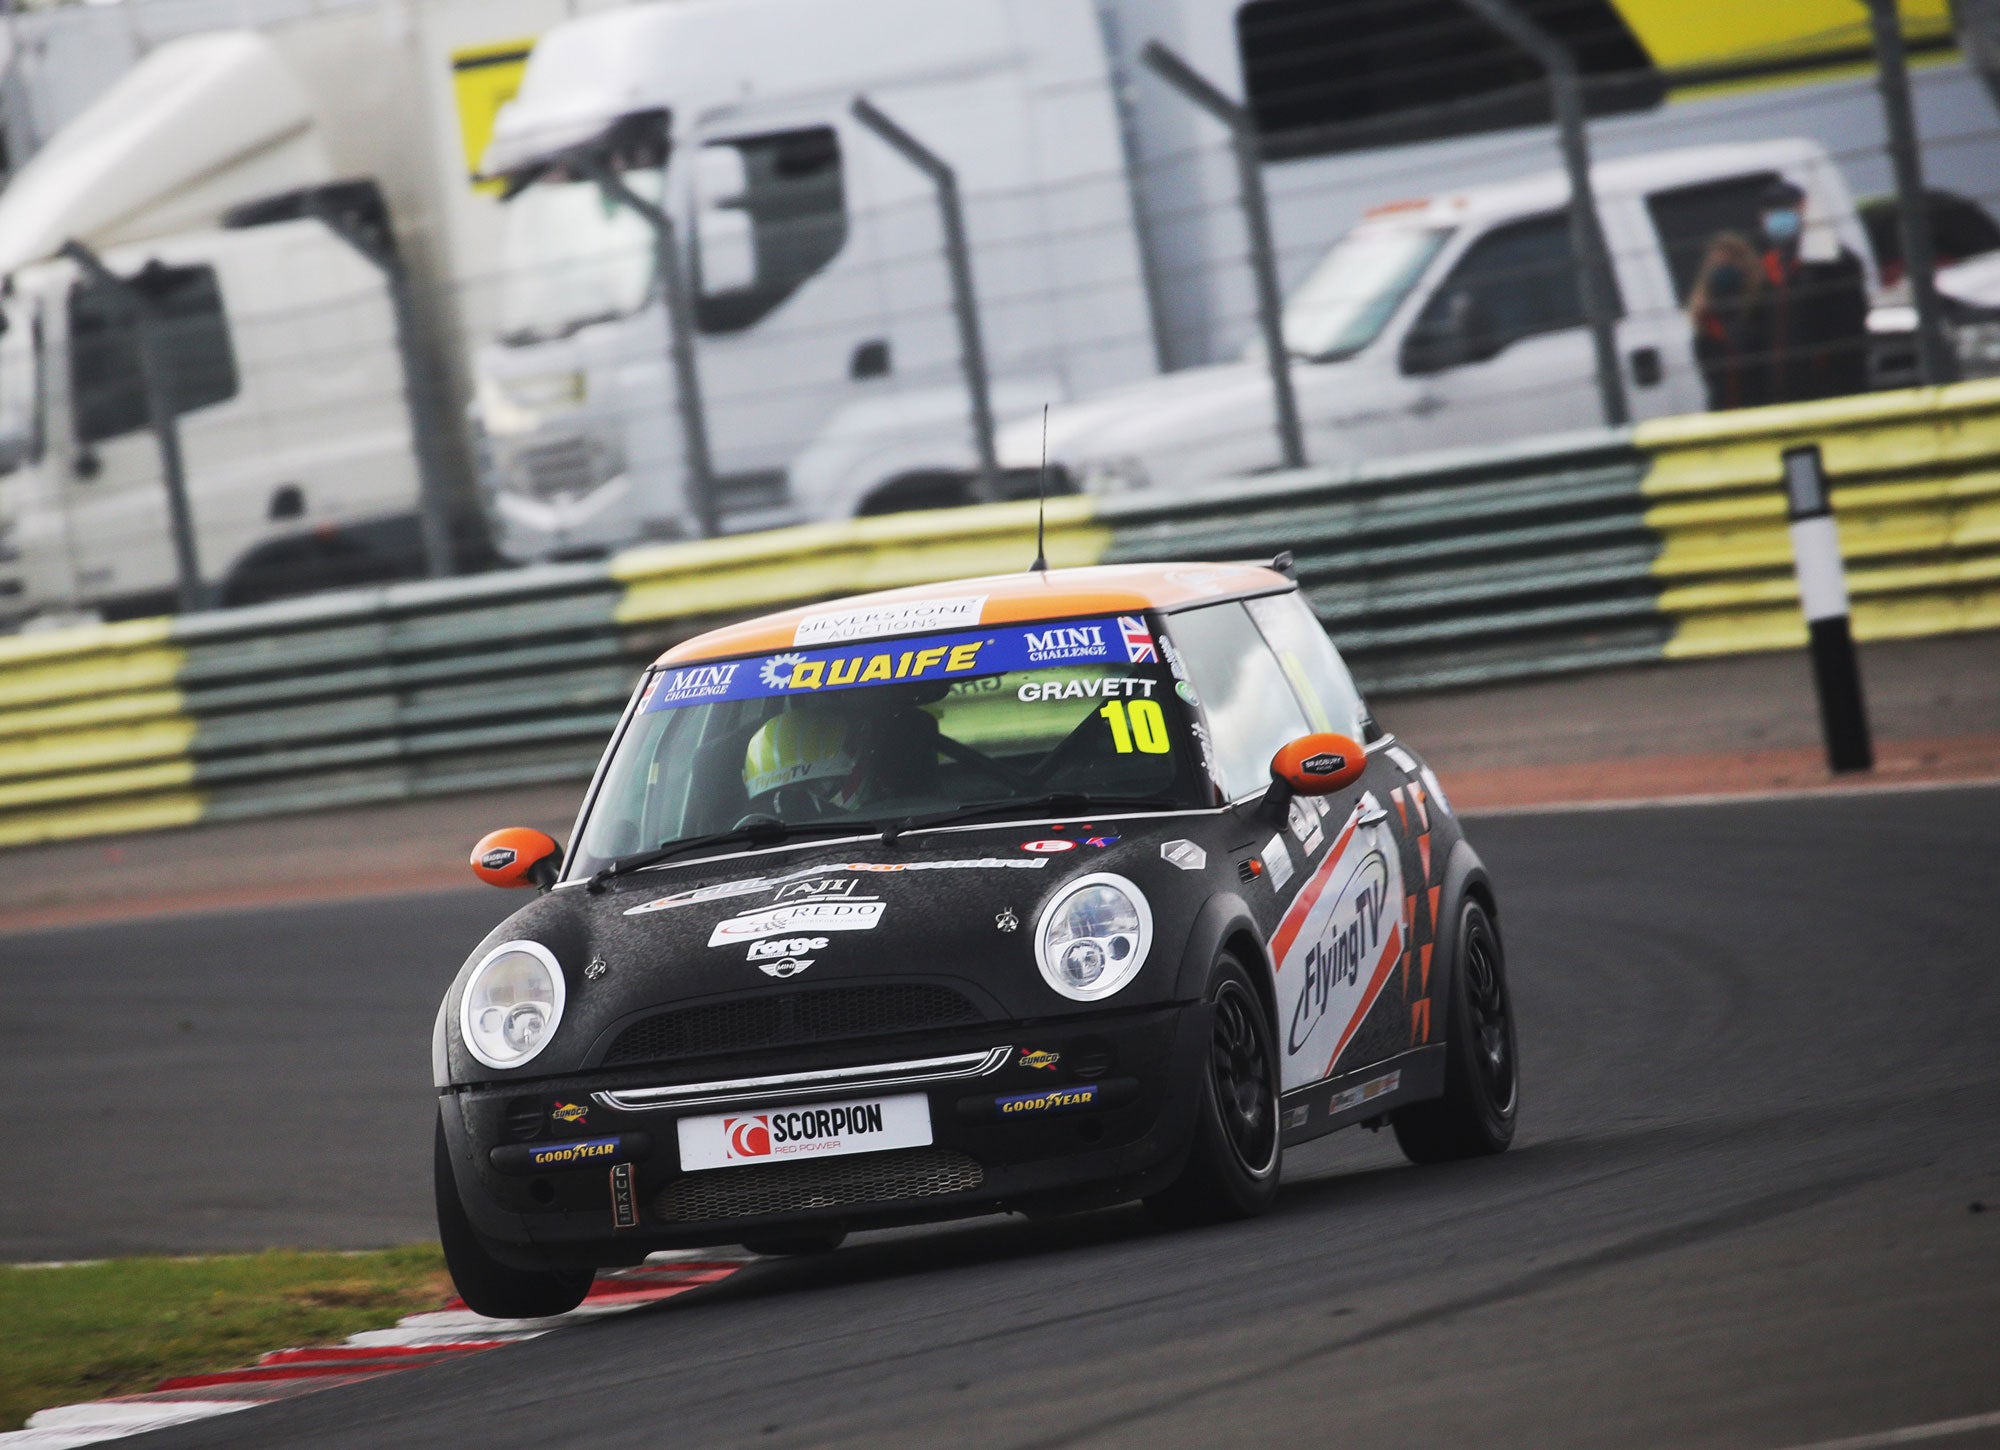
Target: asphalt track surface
[[1762, 1097]]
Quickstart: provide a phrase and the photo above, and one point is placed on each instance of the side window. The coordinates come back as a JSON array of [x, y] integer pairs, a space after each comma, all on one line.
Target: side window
[[770, 212], [1250, 705], [1688, 218], [1318, 674], [105, 380], [1517, 281]]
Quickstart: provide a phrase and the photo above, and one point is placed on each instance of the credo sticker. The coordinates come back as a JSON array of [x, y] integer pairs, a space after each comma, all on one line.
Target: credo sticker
[[1184, 854], [813, 916], [1048, 848]]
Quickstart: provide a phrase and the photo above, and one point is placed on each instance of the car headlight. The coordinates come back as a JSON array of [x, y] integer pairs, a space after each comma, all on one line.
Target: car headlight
[[1093, 936], [512, 1005]]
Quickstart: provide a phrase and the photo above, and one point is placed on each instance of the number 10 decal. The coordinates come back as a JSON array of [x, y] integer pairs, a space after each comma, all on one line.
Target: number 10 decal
[[1138, 723]]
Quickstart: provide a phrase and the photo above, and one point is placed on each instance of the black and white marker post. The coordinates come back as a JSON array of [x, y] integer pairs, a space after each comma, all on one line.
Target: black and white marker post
[[1823, 594]]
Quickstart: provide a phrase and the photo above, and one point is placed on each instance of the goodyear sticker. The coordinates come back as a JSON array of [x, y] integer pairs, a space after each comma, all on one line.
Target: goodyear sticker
[[1049, 1100], [568, 1155], [1123, 640]]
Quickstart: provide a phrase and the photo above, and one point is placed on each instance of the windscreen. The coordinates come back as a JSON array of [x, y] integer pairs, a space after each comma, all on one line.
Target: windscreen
[[573, 256], [1353, 291], [875, 733]]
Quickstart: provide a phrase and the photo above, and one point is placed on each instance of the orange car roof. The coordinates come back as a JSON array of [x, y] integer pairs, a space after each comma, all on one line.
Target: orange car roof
[[999, 599]]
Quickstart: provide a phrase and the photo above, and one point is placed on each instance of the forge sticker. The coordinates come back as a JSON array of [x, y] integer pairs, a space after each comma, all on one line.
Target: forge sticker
[[1335, 948], [812, 916]]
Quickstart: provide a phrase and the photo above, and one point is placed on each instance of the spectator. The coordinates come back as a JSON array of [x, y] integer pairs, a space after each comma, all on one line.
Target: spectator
[[1817, 309], [1731, 324]]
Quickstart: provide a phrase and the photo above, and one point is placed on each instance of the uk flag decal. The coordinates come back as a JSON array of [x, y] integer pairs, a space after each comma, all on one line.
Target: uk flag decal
[[1138, 640]]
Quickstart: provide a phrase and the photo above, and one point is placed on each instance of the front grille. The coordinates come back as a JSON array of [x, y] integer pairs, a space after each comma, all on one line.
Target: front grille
[[827, 1183], [565, 467], [791, 1019]]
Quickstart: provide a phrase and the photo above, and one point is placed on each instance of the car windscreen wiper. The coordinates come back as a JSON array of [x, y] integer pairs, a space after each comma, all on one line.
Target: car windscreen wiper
[[765, 832], [1065, 800]]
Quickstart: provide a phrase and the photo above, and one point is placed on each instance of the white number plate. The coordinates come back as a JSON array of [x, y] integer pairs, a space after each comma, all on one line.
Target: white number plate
[[823, 1130]]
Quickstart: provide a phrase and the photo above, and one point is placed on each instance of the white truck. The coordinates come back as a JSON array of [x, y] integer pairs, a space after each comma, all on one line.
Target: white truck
[[221, 176], [826, 345], [1455, 320]]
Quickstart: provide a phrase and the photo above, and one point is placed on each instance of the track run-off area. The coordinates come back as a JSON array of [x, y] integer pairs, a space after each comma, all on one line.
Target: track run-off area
[[1754, 1201]]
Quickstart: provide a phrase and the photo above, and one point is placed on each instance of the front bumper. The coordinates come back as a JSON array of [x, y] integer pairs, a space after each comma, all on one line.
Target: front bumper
[[537, 1202]]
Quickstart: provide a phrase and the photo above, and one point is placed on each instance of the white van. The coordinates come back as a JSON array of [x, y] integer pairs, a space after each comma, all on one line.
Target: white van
[[1382, 363]]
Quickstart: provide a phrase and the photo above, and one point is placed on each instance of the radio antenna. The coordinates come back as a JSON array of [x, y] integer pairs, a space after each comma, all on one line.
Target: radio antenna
[[1041, 564]]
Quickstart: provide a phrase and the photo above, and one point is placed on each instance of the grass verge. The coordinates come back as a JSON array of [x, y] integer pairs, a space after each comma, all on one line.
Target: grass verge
[[84, 1331]]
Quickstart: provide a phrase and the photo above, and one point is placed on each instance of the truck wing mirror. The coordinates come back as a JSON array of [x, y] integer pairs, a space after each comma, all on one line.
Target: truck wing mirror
[[516, 857]]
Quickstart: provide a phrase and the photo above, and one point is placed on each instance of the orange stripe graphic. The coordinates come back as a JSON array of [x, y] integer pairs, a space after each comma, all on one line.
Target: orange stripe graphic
[[1295, 916], [1391, 949]]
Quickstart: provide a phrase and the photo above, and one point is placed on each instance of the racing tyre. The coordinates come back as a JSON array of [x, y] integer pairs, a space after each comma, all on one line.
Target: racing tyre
[[489, 1287], [782, 1246], [1482, 1089], [1232, 1171]]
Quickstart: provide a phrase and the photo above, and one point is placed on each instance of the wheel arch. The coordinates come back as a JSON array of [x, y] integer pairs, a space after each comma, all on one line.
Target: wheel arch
[[1464, 876], [1224, 923]]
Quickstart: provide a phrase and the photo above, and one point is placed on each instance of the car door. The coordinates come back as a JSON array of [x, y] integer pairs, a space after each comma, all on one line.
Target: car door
[[1500, 349], [1326, 877]]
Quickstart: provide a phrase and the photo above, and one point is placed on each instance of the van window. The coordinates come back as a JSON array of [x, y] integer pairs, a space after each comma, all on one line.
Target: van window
[[1249, 703], [1318, 674], [1689, 217], [770, 215], [1517, 281], [106, 384]]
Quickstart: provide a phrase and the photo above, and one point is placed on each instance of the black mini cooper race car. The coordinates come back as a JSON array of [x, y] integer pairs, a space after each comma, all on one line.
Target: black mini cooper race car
[[1032, 894]]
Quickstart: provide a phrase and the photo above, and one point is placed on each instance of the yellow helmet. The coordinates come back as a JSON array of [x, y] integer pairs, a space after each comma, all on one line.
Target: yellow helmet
[[800, 745]]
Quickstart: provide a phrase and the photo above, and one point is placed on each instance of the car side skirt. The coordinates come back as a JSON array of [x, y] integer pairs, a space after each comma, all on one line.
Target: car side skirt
[[1323, 1107]]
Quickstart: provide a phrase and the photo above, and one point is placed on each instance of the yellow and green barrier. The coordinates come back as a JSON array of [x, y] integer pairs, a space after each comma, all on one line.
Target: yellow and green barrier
[[1567, 553]]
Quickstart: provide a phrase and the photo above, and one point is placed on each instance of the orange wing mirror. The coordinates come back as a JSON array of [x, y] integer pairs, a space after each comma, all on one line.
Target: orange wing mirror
[[1319, 764], [517, 856]]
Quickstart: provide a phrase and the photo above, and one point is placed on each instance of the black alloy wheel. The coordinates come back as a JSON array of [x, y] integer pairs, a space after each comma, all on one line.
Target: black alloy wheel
[[1482, 1090], [1232, 1168]]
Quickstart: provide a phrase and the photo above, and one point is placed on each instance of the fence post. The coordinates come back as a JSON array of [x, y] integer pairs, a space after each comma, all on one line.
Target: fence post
[[420, 394], [680, 340], [958, 257], [1257, 222], [1934, 357], [1594, 275], [160, 414]]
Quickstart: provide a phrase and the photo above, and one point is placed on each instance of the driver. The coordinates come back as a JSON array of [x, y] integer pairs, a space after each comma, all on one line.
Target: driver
[[842, 753]]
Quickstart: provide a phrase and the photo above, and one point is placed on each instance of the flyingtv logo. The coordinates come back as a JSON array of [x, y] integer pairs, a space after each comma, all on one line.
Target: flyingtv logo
[[1066, 642], [1354, 936]]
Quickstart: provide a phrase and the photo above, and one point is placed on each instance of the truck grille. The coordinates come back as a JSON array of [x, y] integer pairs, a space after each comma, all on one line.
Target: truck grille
[[565, 467], [828, 1183], [791, 1019]]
